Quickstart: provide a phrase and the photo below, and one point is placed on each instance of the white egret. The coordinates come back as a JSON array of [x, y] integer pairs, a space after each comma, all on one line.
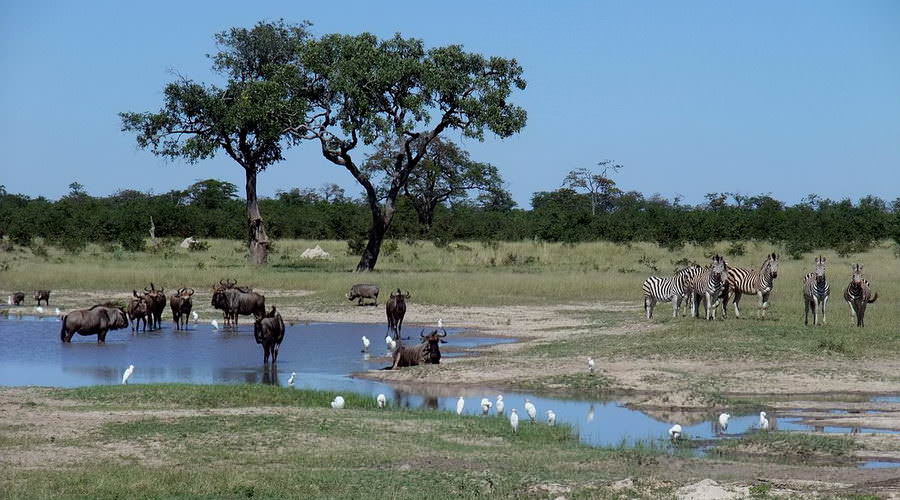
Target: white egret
[[499, 405], [763, 421], [723, 421], [57, 311], [531, 410], [675, 432], [590, 415], [382, 400], [551, 418], [486, 406], [9, 300], [127, 374], [460, 404], [591, 366], [39, 310], [215, 324], [440, 323], [338, 403], [291, 380], [365, 341], [392, 346], [514, 420], [195, 316]]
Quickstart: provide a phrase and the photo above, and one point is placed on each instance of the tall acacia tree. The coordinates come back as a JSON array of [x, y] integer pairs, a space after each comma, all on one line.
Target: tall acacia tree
[[364, 91], [246, 117]]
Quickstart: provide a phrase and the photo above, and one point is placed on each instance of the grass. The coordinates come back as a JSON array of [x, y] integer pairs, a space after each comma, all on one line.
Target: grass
[[789, 445]]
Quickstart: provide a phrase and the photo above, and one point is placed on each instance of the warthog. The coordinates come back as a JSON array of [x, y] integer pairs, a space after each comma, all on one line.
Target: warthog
[[181, 304], [234, 301], [426, 352], [396, 310], [40, 295], [18, 298], [94, 321], [156, 302], [138, 310], [269, 331], [363, 291]]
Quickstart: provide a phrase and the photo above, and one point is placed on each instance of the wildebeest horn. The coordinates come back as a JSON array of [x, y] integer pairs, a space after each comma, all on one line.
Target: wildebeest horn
[[192, 291], [146, 289], [393, 294], [135, 294], [445, 333], [422, 333], [222, 282], [407, 294]]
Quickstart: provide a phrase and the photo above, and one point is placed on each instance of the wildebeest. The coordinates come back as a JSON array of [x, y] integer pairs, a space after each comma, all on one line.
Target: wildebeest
[[858, 295], [396, 310], [426, 352], [156, 303], [94, 321], [181, 304], [138, 310], [362, 291], [269, 331], [18, 298], [234, 300], [40, 295]]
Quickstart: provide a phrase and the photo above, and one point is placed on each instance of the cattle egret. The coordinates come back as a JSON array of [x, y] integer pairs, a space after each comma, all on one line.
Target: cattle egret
[[338, 403], [365, 341], [514, 420], [215, 324], [39, 310], [531, 410], [763, 421], [551, 418], [440, 323], [9, 300], [291, 380], [393, 346], [486, 406], [591, 366], [499, 404], [590, 415], [127, 374], [723, 421], [382, 400], [675, 432], [460, 404], [195, 316], [57, 312]]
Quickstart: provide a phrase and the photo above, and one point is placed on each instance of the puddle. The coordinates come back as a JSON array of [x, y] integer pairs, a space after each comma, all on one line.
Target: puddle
[[878, 464], [323, 355]]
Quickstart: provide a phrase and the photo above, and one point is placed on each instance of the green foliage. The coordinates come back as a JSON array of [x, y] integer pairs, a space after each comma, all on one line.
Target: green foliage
[[736, 249], [199, 246]]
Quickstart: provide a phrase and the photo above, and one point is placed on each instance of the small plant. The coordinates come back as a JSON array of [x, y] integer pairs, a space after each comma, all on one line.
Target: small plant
[[4, 266], [510, 259], [356, 245], [760, 490], [736, 249], [490, 244], [198, 246], [626, 270], [441, 242], [649, 262], [201, 265], [832, 346], [39, 250], [389, 247]]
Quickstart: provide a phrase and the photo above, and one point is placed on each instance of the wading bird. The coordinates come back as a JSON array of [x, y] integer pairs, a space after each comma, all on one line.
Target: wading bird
[[675, 432], [514, 420], [195, 316], [291, 380], [215, 324], [382, 400], [365, 341], [57, 312], [338, 403], [460, 404], [723, 421], [39, 310], [531, 410], [440, 323], [591, 366], [763, 421], [499, 404], [551, 418], [486, 406], [127, 374]]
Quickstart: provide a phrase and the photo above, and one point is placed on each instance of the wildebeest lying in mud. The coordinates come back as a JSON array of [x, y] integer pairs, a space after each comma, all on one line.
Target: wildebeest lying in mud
[[362, 291], [234, 300], [94, 321], [269, 332], [181, 304], [426, 352]]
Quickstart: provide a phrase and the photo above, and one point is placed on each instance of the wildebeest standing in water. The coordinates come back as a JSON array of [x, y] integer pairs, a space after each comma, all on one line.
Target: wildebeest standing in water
[[156, 304], [18, 298], [181, 304], [138, 310], [94, 321], [269, 332], [40, 295], [362, 291], [426, 352], [235, 300], [396, 310]]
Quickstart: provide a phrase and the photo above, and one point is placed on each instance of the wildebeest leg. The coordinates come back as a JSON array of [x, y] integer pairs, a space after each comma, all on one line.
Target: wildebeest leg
[[101, 337], [265, 353], [275, 354]]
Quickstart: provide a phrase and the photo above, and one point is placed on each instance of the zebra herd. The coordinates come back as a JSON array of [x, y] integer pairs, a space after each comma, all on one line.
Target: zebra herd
[[714, 284]]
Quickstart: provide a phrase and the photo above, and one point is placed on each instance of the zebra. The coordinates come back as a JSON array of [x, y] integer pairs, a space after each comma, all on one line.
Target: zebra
[[815, 292], [708, 284], [674, 289], [750, 281], [858, 294]]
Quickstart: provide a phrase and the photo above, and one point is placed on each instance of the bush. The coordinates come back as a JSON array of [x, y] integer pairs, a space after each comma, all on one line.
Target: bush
[[132, 242], [356, 245], [389, 247], [736, 249], [39, 250], [198, 246], [796, 248]]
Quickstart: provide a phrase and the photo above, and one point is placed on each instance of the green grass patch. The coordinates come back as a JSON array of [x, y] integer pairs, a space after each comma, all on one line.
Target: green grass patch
[[790, 444]]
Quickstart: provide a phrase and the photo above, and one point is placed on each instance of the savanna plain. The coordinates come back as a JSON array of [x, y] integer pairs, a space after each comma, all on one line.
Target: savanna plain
[[564, 303]]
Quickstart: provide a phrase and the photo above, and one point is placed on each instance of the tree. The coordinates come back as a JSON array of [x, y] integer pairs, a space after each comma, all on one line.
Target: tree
[[446, 174], [599, 185], [332, 193], [246, 118], [395, 93], [210, 194]]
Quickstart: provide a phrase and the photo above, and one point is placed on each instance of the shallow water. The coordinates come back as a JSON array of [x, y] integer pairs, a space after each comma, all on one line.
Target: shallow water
[[323, 355]]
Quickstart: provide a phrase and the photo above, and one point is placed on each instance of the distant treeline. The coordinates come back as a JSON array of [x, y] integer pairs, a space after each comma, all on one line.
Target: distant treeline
[[211, 209]]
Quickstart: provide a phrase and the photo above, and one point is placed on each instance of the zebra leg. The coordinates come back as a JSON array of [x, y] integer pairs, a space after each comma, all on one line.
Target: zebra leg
[[737, 298], [852, 313], [676, 304], [649, 303], [724, 297], [824, 301], [710, 313], [806, 312]]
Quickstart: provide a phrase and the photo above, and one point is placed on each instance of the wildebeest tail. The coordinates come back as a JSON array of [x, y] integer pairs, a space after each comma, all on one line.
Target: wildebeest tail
[[62, 328], [874, 298]]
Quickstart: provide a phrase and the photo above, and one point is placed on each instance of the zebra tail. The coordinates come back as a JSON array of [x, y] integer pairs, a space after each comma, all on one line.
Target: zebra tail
[[874, 298]]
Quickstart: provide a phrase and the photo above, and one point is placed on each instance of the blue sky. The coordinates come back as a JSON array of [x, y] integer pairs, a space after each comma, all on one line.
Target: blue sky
[[788, 98]]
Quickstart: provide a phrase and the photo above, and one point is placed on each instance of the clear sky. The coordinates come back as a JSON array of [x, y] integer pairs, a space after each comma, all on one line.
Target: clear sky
[[788, 98]]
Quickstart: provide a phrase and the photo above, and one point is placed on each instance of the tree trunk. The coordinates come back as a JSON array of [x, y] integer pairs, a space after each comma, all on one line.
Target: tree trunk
[[381, 221], [257, 240]]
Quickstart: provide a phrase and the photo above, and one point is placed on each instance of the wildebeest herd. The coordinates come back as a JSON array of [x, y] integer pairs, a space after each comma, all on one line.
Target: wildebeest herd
[[145, 310], [714, 284]]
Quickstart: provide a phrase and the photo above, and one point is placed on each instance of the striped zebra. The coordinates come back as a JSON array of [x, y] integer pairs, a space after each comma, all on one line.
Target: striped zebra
[[815, 292], [858, 294], [743, 280], [674, 289], [708, 284]]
